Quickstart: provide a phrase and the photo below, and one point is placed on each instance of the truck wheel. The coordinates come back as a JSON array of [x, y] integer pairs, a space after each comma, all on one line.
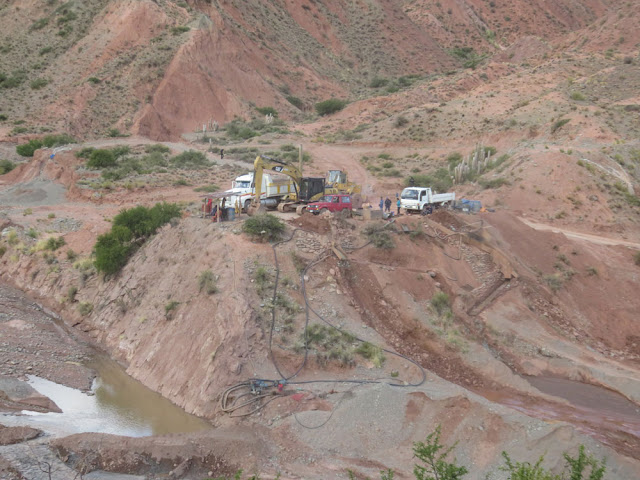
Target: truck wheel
[[427, 210]]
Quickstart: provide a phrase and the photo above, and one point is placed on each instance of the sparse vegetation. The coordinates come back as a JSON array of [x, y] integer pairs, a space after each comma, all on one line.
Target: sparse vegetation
[[207, 282], [440, 303], [379, 236], [263, 227], [101, 158]]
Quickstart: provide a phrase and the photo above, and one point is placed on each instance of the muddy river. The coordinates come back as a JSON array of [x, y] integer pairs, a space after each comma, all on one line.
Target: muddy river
[[117, 404]]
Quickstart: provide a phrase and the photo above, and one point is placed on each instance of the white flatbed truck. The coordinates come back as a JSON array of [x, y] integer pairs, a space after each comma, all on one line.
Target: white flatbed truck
[[423, 199]]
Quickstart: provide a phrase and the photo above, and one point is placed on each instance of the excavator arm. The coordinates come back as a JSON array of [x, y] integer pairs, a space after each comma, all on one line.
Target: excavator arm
[[267, 163]]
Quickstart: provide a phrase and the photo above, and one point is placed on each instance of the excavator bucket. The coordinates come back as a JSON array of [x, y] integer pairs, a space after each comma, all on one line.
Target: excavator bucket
[[256, 209]]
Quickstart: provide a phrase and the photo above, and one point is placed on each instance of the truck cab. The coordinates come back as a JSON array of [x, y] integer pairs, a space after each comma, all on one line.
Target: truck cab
[[331, 203]]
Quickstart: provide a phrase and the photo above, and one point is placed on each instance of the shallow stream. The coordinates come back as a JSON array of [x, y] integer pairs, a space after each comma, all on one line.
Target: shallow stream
[[117, 404]]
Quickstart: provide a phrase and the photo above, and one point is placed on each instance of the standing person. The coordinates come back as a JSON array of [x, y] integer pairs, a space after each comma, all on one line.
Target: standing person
[[381, 204], [398, 205], [387, 205], [222, 154]]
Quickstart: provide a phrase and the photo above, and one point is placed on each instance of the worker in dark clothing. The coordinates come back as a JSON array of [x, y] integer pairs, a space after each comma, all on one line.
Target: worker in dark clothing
[[387, 205], [222, 154]]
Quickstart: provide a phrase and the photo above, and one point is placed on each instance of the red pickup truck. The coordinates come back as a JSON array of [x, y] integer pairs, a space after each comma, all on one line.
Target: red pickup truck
[[331, 203]]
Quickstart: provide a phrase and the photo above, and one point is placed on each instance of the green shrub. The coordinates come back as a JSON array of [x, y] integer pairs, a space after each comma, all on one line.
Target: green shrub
[[190, 159], [114, 132], [379, 236], [559, 124], [577, 96], [441, 303], [3, 117], [435, 466], [28, 149], [143, 222], [51, 141], [85, 152], [13, 81], [264, 227], [267, 111], [6, 166], [468, 56], [130, 229], [440, 181], [39, 24], [371, 352], [101, 158], [71, 294], [54, 243], [85, 308], [207, 282], [112, 250], [295, 101], [330, 106], [39, 83], [493, 183], [156, 147], [179, 29], [400, 121], [378, 82], [94, 80]]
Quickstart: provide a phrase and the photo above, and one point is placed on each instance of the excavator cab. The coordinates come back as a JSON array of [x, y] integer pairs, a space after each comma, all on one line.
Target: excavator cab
[[310, 188], [336, 177]]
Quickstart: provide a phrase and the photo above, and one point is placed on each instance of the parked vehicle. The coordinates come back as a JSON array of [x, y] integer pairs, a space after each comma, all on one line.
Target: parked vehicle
[[423, 199], [331, 203], [274, 187]]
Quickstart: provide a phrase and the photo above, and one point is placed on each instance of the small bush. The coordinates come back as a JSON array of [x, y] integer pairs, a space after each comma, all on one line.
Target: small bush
[[157, 147], [400, 121], [94, 80], [441, 303], [101, 158], [559, 124], [85, 308], [378, 236], [28, 149], [114, 132], [39, 83], [554, 281], [493, 183], [6, 166], [577, 96], [295, 101], [54, 243], [85, 152], [179, 29], [71, 294], [15, 80], [378, 82], [371, 352], [207, 282], [264, 227], [636, 258], [330, 106], [190, 159], [169, 308], [268, 111]]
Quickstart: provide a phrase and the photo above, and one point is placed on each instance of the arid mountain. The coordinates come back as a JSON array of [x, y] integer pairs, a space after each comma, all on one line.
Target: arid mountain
[[160, 68]]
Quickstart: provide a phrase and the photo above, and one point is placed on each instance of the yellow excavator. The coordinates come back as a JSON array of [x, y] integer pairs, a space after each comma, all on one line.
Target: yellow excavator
[[307, 189]]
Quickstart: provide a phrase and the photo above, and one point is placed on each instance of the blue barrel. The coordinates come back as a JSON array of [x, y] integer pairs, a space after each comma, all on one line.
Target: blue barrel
[[231, 214]]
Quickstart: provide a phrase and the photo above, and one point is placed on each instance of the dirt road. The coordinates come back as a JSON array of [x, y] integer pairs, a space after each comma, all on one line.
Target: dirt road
[[579, 235]]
